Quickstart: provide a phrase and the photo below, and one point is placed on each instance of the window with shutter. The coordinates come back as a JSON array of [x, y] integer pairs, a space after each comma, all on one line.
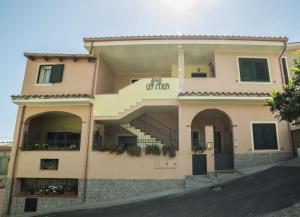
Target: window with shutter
[[264, 136], [50, 74], [254, 70], [56, 73]]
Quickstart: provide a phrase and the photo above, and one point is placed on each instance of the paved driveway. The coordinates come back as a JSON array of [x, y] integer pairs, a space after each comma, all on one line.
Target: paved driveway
[[261, 193]]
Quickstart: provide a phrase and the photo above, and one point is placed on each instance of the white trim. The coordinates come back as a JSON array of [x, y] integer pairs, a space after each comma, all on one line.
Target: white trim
[[180, 42], [58, 100], [225, 98], [252, 136], [254, 82]]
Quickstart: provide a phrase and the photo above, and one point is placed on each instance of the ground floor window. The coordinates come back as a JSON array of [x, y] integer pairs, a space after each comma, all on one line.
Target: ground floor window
[[48, 186], [127, 141], [49, 164], [264, 136]]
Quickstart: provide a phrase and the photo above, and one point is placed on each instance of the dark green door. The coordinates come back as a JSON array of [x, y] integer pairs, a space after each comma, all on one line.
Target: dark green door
[[199, 164]]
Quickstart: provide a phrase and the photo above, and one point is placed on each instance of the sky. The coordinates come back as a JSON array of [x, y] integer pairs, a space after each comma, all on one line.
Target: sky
[[60, 25]]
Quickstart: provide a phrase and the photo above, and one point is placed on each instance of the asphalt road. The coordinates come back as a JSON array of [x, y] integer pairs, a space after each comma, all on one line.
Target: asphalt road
[[261, 193]]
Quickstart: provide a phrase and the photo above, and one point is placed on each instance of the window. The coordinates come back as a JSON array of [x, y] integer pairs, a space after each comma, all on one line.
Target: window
[[49, 164], [264, 136], [44, 186], [254, 70], [195, 137], [285, 70], [127, 141], [30, 205], [50, 74], [199, 75]]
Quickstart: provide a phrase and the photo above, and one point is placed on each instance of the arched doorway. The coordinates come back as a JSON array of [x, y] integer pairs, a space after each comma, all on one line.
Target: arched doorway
[[222, 136], [52, 131]]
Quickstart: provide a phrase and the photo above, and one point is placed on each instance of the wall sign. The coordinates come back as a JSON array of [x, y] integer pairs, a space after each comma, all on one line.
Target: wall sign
[[157, 84]]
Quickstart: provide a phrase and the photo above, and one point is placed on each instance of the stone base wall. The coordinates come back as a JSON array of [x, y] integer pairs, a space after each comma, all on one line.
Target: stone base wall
[[113, 189], [254, 159], [98, 190]]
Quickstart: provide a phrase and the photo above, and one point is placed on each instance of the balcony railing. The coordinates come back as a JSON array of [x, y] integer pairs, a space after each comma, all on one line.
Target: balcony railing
[[36, 139]]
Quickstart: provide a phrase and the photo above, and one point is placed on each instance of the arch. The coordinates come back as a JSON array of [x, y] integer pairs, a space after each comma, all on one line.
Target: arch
[[214, 110], [54, 130], [222, 135], [29, 118]]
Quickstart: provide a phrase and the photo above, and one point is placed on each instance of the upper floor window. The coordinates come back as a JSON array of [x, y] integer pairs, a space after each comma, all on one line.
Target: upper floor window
[[50, 74], [254, 69]]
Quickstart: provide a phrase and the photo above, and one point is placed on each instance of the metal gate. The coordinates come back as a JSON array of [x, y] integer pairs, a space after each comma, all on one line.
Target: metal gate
[[199, 164]]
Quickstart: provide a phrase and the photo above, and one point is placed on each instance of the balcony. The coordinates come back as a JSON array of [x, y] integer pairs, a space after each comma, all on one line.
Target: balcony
[[52, 131], [36, 139]]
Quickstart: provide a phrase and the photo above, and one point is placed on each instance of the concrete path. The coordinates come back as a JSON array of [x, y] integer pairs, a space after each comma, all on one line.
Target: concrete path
[[254, 195]]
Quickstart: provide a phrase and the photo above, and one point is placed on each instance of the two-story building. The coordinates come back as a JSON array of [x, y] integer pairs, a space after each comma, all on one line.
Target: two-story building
[[139, 114]]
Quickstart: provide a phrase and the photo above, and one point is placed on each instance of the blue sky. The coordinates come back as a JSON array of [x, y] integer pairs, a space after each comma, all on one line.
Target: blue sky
[[60, 25]]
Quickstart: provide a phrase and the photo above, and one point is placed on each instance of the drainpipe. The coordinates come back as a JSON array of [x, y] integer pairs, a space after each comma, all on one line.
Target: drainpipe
[[18, 139], [90, 123], [87, 154], [283, 83], [92, 46], [280, 65]]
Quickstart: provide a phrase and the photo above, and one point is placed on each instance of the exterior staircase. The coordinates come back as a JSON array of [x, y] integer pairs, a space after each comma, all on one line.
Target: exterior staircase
[[142, 138], [209, 180]]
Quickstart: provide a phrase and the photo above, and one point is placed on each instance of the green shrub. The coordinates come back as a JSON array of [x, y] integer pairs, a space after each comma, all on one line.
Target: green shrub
[[198, 148], [153, 149], [134, 151], [169, 150], [120, 149]]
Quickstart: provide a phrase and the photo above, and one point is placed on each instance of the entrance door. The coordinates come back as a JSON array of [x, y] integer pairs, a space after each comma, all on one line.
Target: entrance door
[[199, 164], [223, 152]]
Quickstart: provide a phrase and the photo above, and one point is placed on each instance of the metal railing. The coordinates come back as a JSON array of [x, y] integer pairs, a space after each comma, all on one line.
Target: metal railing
[[114, 135], [157, 129], [58, 139], [40, 185]]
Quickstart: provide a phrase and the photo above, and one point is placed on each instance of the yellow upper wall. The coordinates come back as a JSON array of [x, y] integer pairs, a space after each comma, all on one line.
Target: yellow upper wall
[[145, 88], [189, 69]]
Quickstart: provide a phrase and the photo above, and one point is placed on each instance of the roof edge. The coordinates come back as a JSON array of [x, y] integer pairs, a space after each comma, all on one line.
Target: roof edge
[[185, 37], [58, 55]]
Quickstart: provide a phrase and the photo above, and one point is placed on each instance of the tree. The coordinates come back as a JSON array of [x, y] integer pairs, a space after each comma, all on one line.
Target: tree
[[286, 102]]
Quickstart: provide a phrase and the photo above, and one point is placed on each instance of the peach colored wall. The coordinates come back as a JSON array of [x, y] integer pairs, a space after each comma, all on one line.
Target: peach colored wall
[[77, 78], [241, 116], [124, 166], [123, 80], [227, 75], [106, 165], [71, 163], [105, 78]]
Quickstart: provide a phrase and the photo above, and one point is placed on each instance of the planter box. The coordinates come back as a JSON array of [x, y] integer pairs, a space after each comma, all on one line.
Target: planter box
[[69, 194]]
